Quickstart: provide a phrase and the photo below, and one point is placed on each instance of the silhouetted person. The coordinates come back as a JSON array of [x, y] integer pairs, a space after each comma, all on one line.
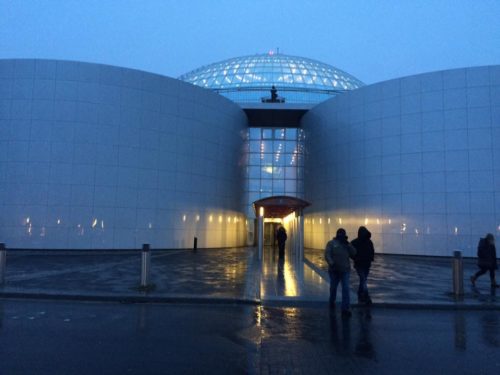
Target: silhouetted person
[[337, 254], [365, 253], [281, 237], [487, 259], [274, 94]]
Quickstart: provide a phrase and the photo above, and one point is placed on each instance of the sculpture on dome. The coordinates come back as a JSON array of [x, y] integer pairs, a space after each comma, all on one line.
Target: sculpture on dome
[[274, 97]]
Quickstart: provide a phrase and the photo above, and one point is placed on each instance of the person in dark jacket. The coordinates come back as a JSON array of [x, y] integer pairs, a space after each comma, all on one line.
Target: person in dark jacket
[[337, 254], [487, 259], [365, 253], [281, 237]]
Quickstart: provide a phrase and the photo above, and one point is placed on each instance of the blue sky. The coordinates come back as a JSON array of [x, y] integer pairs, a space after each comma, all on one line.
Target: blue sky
[[373, 40]]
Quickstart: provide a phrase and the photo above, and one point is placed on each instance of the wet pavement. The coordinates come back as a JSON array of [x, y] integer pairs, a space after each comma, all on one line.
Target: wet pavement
[[235, 275], [54, 337], [217, 273], [413, 280]]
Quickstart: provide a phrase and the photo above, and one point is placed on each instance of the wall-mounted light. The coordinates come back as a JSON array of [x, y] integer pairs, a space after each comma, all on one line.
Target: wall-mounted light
[[261, 211]]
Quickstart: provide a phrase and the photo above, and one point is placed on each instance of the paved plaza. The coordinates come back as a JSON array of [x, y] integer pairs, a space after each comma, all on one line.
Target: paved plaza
[[235, 275]]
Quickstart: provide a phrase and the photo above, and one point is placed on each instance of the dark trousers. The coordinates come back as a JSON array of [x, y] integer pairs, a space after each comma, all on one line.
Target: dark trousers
[[363, 278], [337, 277], [281, 249], [483, 270]]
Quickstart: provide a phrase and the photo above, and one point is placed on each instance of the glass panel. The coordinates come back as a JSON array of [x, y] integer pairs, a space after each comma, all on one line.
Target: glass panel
[[279, 134], [254, 185], [278, 187], [291, 172], [254, 146], [254, 159], [290, 146], [266, 186], [291, 133], [279, 160], [278, 146], [254, 133], [266, 146], [254, 172], [266, 159], [278, 172], [267, 172], [267, 133], [290, 186]]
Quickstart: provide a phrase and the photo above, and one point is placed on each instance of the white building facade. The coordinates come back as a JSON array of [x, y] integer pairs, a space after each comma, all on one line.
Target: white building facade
[[102, 157]]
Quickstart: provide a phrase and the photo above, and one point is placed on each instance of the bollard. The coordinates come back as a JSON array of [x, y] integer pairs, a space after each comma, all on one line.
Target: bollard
[[145, 266], [3, 260], [458, 273], [195, 244]]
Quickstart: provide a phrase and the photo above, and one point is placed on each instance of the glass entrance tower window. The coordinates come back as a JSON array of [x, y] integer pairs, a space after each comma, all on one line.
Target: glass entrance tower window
[[274, 164]]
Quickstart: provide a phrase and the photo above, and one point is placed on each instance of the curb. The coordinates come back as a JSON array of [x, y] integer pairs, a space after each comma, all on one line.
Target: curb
[[130, 299], [241, 301]]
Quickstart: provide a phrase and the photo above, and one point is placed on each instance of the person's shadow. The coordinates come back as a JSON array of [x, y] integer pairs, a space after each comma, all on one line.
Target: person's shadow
[[340, 333], [364, 346], [490, 324]]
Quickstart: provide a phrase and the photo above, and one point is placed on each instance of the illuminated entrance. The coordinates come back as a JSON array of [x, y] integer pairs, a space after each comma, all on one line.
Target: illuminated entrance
[[285, 210]]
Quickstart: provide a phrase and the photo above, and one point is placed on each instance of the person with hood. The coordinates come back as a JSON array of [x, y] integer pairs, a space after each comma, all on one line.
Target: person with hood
[[281, 237], [337, 254], [365, 253], [487, 260]]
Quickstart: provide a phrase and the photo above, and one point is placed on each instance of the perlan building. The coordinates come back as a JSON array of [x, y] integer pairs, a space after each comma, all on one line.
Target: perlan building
[[102, 157]]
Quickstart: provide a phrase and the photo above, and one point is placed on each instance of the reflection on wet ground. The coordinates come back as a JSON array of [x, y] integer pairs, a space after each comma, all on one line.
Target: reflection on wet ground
[[411, 279], [218, 272], [318, 341], [289, 279], [47, 337]]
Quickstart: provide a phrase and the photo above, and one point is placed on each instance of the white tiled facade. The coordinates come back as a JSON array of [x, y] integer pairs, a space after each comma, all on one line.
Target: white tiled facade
[[95, 156], [416, 160]]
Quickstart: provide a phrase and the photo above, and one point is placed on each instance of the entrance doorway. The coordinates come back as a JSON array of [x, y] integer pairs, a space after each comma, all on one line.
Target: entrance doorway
[[270, 229], [280, 210]]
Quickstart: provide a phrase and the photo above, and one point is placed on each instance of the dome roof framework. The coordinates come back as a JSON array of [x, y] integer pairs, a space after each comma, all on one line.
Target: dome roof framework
[[249, 78]]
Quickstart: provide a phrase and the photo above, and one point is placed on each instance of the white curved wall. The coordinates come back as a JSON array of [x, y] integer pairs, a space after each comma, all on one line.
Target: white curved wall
[[416, 159], [95, 156]]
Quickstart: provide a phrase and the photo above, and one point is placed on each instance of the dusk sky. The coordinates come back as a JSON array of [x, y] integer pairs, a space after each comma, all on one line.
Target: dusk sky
[[372, 40]]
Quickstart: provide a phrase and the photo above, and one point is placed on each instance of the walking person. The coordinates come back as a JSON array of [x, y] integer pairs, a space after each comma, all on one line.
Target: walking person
[[337, 254], [365, 253], [281, 237], [487, 259]]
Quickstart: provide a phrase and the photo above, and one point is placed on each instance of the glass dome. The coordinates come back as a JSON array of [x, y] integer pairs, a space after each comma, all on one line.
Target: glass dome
[[249, 79]]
